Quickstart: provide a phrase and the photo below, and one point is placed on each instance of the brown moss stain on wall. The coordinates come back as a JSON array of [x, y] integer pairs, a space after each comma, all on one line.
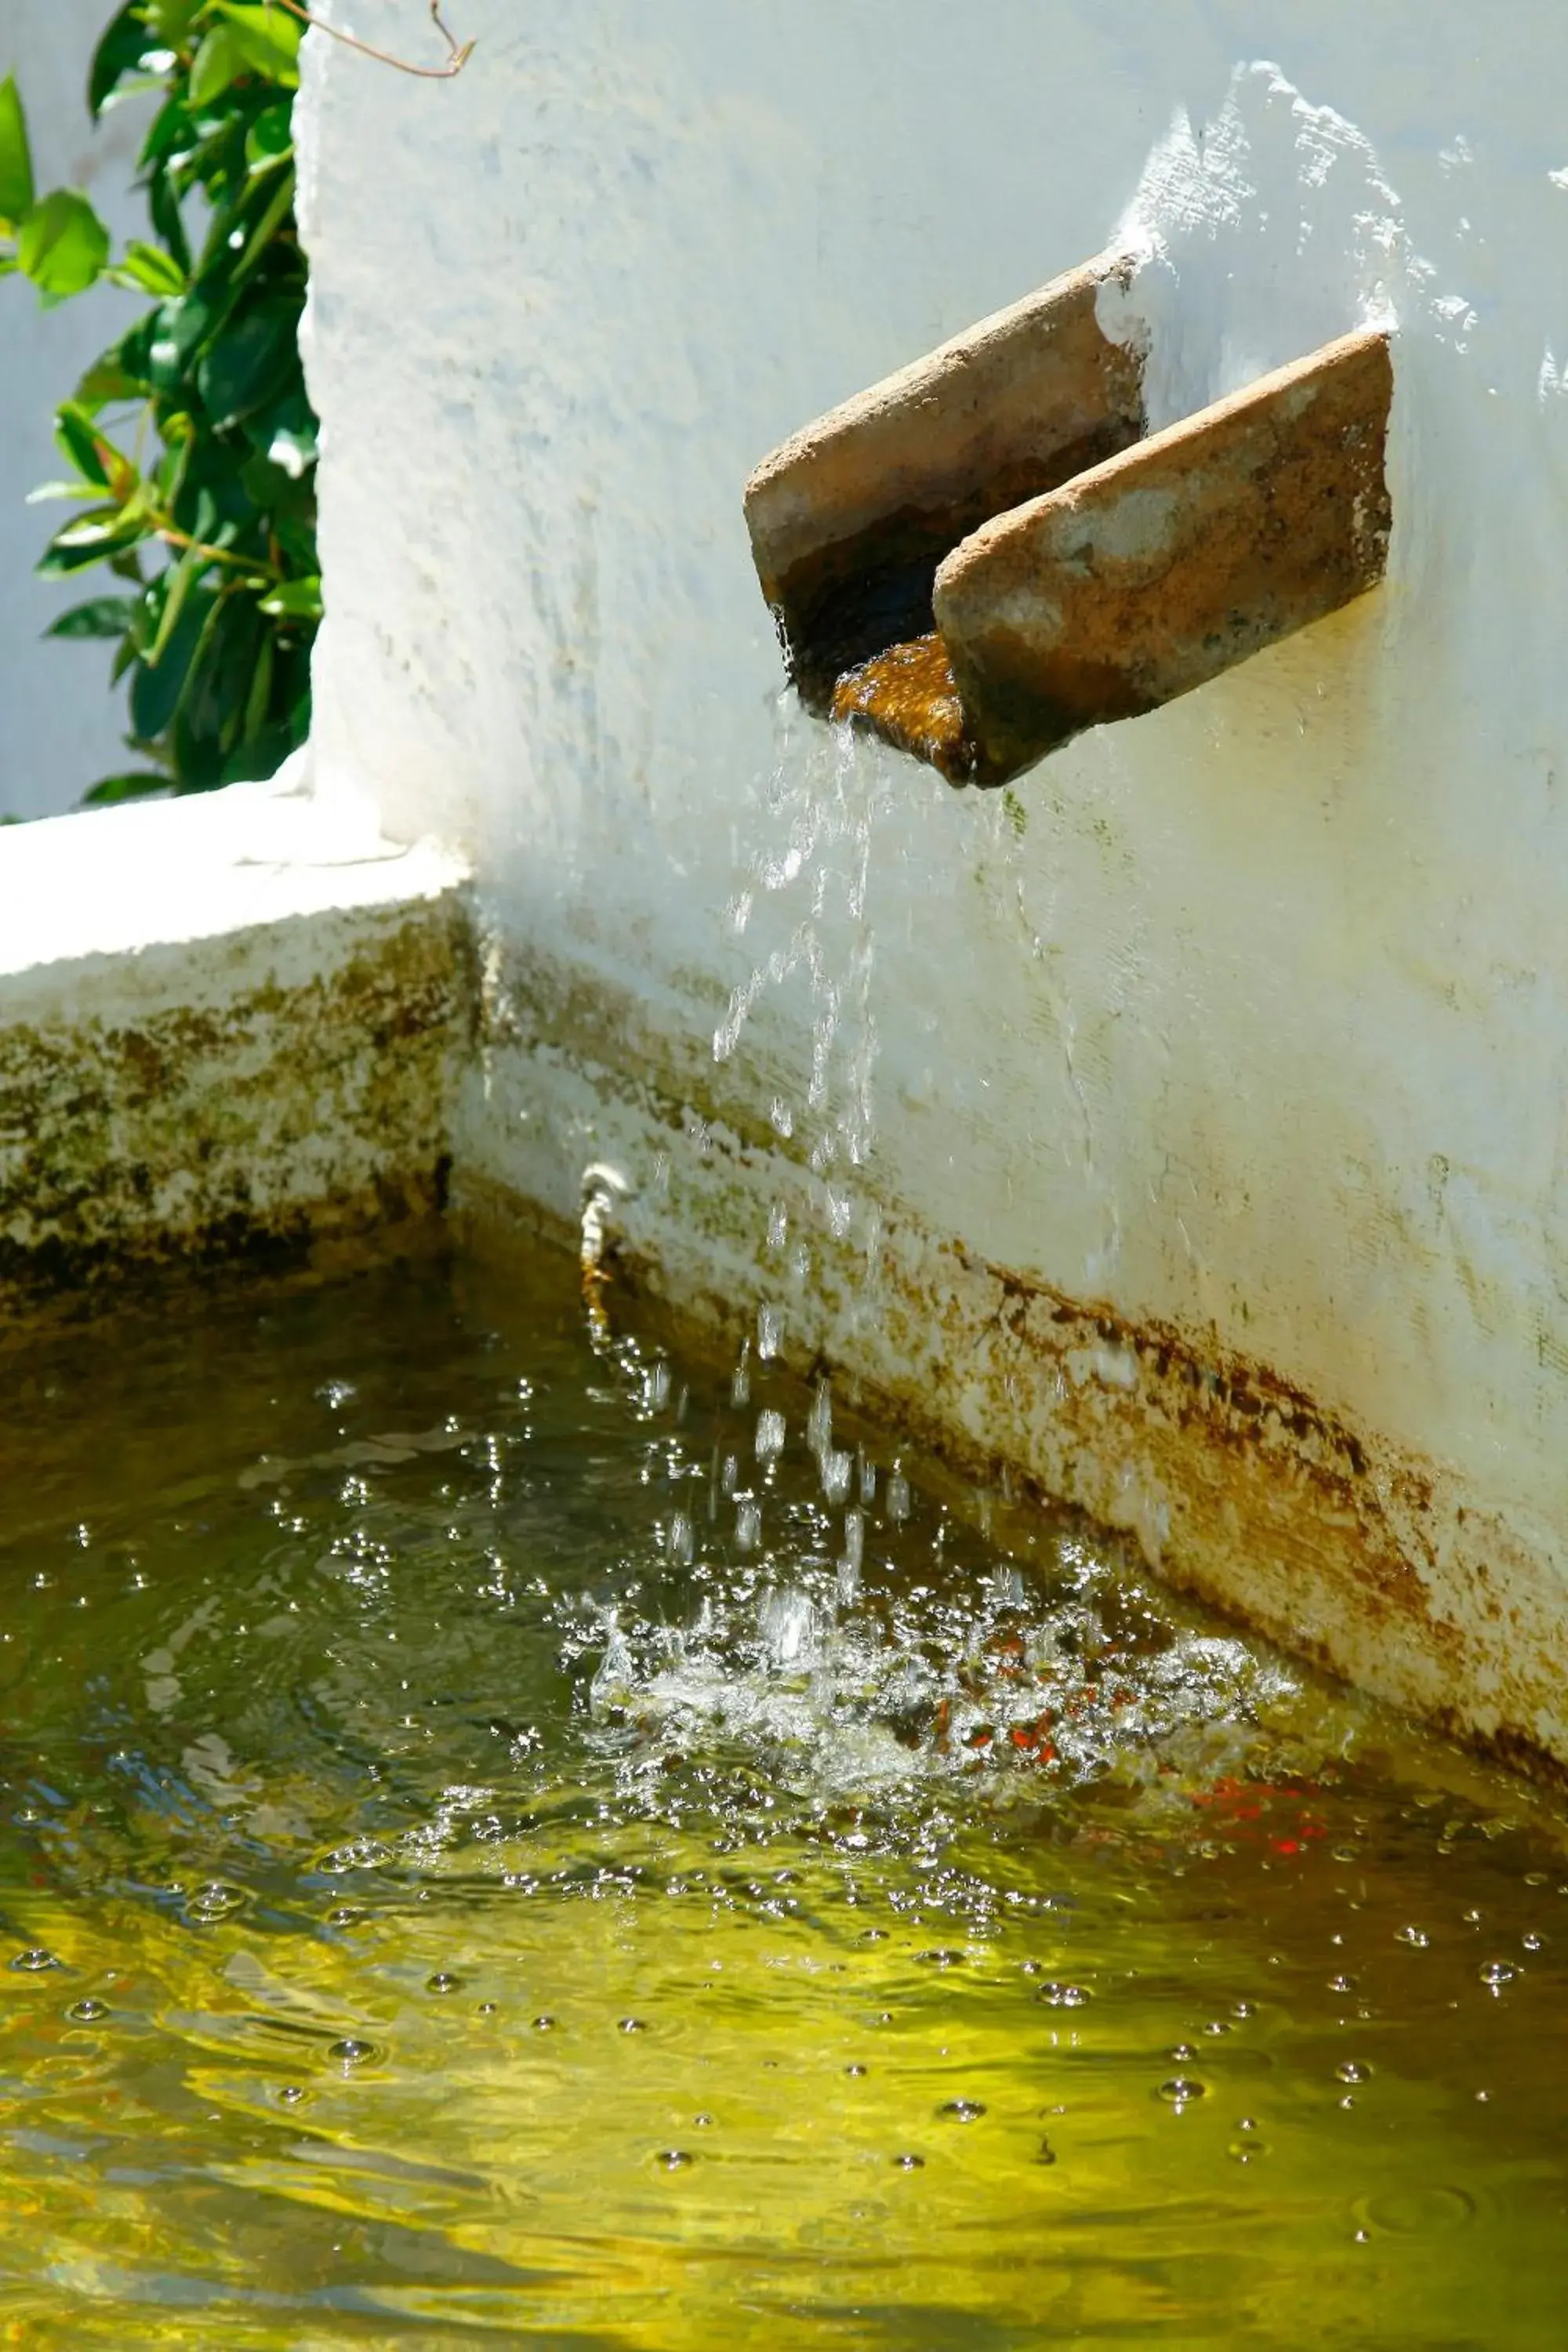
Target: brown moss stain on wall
[[1238, 1485]]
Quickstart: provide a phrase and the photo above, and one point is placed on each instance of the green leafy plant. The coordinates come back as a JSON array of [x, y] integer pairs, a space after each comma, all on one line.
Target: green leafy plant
[[190, 446]]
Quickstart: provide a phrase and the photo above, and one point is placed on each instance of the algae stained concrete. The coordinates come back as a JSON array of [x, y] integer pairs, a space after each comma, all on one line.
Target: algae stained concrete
[[228, 1026], [1184, 1125]]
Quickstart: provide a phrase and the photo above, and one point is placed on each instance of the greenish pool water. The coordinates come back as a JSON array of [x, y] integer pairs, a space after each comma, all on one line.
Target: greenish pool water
[[509, 1841]]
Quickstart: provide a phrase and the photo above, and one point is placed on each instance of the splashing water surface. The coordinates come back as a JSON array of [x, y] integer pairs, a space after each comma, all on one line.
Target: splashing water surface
[[503, 1841]]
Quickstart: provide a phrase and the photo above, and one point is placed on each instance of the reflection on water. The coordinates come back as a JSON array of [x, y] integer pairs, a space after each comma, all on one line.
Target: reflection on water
[[506, 1841]]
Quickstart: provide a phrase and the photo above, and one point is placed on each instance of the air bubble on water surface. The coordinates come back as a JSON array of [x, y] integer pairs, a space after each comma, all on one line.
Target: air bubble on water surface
[[1416, 1937], [1351, 2070], [214, 1902], [88, 2012], [34, 1962], [1180, 2089], [443, 1981], [960, 2111], [350, 2052], [1495, 1974]]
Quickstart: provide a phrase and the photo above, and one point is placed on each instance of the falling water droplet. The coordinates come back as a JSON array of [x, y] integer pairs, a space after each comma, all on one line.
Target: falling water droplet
[[770, 1333], [897, 1497], [770, 1437]]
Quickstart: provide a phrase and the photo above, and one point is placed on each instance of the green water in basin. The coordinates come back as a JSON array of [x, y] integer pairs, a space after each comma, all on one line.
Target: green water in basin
[[489, 1854]]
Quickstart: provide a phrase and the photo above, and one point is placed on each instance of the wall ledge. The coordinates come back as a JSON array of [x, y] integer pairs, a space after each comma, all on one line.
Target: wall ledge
[[228, 1026]]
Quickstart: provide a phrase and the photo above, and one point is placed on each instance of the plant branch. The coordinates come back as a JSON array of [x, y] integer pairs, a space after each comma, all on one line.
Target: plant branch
[[456, 56], [173, 538]]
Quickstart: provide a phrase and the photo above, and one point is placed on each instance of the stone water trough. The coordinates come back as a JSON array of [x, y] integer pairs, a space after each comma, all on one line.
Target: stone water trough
[[1178, 1128]]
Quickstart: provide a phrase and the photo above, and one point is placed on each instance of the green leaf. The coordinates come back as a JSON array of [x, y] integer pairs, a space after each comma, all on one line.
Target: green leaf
[[294, 600], [80, 445], [16, 157], [266, 229], [171, 20], [133, 787], [269, 40], [62, 246], [105, 616], [88, 541], [47, 492], [271, 135], [249, 359], [164, 204], [154, 272], [220, 60], [155, 694], [181, 582], [120, 52]]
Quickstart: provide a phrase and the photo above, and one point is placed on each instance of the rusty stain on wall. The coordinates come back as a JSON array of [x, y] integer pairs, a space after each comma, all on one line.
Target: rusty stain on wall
[[1349, 1550]]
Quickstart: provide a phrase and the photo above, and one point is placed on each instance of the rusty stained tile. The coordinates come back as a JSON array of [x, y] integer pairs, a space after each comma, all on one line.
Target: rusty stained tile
[[1173, 560], [850, 518]]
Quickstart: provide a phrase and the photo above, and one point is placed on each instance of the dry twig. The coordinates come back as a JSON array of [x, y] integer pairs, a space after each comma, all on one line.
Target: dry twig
[[457, 57]]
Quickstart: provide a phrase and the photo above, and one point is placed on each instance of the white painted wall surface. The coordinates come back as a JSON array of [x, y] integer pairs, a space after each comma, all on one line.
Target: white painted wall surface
[[1251, 1015], [60, 727]]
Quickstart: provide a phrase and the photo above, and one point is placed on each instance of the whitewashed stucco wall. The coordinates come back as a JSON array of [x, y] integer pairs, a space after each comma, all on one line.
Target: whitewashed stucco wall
[[60, 726], [1251, 1015]]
